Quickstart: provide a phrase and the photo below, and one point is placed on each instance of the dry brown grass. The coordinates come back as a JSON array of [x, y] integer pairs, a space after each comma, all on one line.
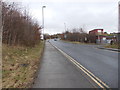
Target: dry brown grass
[[116, 46], [20, 65]]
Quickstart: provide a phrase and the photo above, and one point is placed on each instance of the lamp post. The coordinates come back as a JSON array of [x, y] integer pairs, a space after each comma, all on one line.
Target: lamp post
[[118, 39], [43, 19]]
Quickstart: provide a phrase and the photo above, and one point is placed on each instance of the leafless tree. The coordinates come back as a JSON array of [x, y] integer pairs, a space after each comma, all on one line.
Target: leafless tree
[[18, 26], [76, 34]]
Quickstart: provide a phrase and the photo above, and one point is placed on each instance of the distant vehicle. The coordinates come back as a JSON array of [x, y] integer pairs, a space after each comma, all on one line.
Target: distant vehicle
[[55, 39]]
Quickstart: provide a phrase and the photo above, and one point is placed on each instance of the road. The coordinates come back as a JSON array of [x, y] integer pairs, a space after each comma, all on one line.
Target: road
[[56, 71], [102, 63]]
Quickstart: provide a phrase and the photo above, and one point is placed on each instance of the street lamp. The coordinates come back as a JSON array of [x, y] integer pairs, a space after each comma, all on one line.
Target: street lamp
[[118, 24], [43, 19]]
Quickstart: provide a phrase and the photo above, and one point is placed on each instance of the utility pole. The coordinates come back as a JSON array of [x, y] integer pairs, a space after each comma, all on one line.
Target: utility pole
[[65, 26]]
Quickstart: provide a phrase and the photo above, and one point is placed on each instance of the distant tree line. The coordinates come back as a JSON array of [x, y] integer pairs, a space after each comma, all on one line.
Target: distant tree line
[[46, 36], [75, 34], [78, 34], [18, 27]]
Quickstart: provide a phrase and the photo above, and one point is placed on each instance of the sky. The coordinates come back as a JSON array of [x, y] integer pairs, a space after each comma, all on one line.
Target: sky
[[86, 14]]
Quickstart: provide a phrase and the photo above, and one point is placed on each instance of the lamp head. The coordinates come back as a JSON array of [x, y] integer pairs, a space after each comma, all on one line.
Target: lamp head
[[44, 7]]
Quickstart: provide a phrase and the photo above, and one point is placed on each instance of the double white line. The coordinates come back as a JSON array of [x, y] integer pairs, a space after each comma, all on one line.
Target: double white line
[[87, 72]]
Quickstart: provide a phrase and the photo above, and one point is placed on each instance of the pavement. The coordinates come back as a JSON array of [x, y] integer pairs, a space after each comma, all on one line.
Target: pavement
[[56, 71], [102, 63]]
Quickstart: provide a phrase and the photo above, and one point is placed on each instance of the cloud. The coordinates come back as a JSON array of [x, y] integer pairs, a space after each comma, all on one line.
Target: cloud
[[58, 1], [75, 13]]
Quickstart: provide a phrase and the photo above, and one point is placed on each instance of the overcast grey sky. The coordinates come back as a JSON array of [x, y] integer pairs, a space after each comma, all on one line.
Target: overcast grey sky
[[89, 14]]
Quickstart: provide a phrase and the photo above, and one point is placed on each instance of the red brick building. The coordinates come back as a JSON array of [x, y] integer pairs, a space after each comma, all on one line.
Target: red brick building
[[96, 32], [99, 34]]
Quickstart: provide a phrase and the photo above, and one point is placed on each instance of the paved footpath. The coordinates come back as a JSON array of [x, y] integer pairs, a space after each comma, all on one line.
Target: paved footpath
[[56, 71]]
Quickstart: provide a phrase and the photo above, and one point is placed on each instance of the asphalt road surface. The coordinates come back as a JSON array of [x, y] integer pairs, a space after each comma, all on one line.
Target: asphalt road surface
[[56, 71], [102, 63]]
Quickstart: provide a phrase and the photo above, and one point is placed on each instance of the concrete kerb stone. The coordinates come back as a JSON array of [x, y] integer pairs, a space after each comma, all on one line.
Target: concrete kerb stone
[[36, 73], [112, 49]]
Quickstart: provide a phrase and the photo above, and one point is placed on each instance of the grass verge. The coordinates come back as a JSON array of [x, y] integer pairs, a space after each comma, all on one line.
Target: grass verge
[[19, 65], [116, 46]]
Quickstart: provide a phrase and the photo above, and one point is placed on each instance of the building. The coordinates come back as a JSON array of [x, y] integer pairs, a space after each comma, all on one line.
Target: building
[[99, 34], [102, 38], [96, 32]]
